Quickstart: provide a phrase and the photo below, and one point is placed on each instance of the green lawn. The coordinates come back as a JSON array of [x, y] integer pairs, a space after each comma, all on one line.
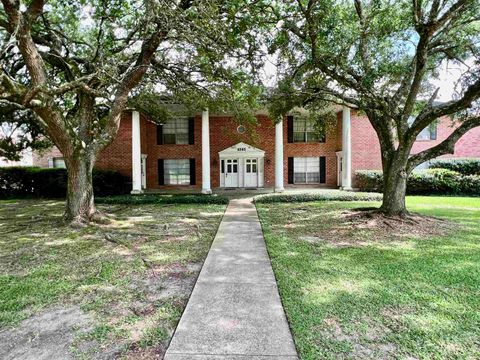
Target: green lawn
[[355, 292], [132, 276]]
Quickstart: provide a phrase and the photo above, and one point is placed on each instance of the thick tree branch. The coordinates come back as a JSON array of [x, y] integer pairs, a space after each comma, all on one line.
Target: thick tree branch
[[33, 60], [432, 112], [447, 146]]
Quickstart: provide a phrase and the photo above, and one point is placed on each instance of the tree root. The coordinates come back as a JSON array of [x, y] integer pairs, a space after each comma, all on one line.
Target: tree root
[[148, 264], [404, 223], [100, 218]]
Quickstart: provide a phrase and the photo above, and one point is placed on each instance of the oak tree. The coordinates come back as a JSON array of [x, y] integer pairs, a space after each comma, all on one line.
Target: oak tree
[[381, 57], [72, 66]]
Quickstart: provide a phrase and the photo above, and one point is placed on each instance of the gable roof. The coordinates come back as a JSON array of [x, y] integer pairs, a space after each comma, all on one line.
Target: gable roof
[[242, 149]]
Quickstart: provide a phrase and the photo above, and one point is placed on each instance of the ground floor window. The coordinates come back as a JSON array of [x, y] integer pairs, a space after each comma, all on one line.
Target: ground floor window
[[306, 170], [176, 171], [57, 162]]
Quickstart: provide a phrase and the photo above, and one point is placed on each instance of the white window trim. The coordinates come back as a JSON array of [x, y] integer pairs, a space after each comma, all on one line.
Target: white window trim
[[175, 122], [166, 176], [307, 170], [307, 124]]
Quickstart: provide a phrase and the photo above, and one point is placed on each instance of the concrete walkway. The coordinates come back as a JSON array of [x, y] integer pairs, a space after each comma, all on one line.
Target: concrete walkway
[[234, 311]]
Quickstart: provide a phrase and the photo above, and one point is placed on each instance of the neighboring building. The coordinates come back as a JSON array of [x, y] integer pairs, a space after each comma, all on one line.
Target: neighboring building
[[213, 151]]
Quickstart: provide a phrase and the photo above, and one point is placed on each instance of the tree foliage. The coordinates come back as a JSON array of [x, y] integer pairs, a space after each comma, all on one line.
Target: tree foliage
[[381, 57], [75, 64], [18, 132]]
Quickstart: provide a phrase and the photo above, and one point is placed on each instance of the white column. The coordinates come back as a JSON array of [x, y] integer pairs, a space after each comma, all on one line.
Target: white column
[[206, 187], [279, 157], [346, 150], [136, 154]]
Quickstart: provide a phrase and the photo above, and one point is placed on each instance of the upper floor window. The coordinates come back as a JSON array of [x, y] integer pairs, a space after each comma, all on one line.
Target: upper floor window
[[429, 133], [303, 130], [175, 131]]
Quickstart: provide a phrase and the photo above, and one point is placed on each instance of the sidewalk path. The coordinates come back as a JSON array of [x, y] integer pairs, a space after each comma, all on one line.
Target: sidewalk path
[[234, 311]]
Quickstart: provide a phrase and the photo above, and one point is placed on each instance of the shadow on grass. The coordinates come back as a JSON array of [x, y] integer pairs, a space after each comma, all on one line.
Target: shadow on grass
[[414, 296]]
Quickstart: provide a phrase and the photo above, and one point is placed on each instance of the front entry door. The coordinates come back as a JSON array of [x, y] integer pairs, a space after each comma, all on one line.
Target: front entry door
[[251, 172], [231, 173]]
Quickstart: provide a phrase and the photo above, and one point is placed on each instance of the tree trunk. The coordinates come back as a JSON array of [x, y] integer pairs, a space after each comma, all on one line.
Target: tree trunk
[[394, 189], [80, 206]]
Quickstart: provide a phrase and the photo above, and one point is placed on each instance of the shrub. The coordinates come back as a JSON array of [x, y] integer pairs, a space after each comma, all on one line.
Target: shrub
[[369, 180], [470, 184], [433, 181], [424, 182], [52, 183], [463, 166], [327, 196], [162, 199]]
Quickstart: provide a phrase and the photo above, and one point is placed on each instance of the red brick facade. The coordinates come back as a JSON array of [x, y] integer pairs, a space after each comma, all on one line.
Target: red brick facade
[[366, 154], [223, 134]]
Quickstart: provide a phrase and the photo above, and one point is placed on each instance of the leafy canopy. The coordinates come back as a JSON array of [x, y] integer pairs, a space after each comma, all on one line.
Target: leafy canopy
[[381, 57], [95, 54]]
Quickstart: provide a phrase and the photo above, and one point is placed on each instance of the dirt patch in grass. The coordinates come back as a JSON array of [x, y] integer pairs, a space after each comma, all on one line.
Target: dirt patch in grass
[[361, 227], [412, 224], [130, 278], [48, 335], [368, 345]]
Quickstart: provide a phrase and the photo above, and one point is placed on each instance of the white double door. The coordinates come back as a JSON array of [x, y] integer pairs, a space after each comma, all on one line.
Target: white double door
[[231, 173], [242, 167]]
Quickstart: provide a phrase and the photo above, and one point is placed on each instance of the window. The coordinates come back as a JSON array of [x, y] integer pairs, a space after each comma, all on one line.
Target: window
[[306, 170], [429, 133], [304, 131], [176, 172], [58, 163], [251, 165], [175, 131], [232, 166]]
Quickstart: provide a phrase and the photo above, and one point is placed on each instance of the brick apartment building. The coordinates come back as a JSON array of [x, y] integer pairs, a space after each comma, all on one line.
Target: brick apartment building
[[209, 151]]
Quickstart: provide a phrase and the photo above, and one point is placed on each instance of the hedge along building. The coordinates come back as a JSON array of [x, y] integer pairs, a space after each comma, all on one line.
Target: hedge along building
[[209, 151]]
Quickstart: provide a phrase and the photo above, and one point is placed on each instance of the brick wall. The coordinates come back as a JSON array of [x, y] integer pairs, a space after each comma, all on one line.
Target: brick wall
[[223, 134], [313, 149], [366, 153], [171, 151], [469, 144], [41, 159], [116, 156]]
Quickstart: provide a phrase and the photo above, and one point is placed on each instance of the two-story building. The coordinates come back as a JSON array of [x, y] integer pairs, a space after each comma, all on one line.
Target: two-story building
[[208, 151]]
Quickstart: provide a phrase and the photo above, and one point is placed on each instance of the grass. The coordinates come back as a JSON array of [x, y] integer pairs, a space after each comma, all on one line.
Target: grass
[[133, 275], [357, 292]]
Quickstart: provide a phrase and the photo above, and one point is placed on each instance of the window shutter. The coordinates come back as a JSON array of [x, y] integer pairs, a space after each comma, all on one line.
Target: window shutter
[[159, 134], [191, 130], [290, 128], [323, 170], [290, 170], [193, 180], [433, 132], [161, 177]]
